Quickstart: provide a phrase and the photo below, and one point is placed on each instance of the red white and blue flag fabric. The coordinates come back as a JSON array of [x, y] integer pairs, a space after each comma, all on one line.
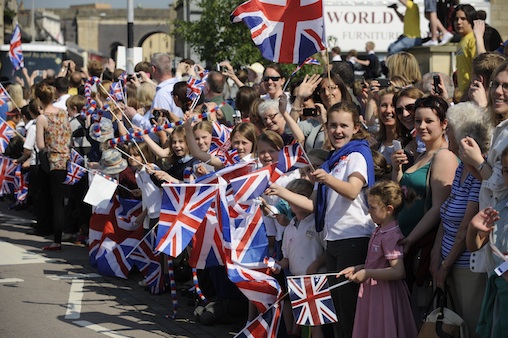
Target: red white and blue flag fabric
[[113, 234], [266, 325], [311, 300], [116, 91], [229, 157], [148, 263], [20, 185], [4, 96], [251, 186], [75, 173], [221, 138], [308, 61], [291, 157], [183, 209], [76, 157], [194, 88], [6, 133], [285, 31], [7, 176], [15, 52]]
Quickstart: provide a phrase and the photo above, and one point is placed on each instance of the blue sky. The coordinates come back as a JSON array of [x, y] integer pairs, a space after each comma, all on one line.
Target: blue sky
[[114, 3]]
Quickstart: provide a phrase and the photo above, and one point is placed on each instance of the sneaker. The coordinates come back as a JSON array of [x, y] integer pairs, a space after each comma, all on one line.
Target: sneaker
[[142, 283], [430, 43], [446, 38]]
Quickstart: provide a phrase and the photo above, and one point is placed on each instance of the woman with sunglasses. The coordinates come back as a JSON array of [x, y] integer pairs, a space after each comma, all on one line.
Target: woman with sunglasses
[[273, 83], [430, 178], [404, 101]]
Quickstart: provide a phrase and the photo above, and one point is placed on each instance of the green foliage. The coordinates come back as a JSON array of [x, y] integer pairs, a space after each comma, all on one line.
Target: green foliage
[[215, 38]]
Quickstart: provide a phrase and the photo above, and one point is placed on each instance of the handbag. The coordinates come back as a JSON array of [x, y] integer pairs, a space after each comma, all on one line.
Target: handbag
[[42, 160], [442, 322]]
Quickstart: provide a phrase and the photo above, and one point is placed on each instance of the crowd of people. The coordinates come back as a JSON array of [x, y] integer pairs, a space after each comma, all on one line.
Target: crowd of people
[[405, 191]]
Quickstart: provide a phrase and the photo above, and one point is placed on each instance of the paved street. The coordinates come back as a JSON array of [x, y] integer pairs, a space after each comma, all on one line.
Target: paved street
[[58, 294]]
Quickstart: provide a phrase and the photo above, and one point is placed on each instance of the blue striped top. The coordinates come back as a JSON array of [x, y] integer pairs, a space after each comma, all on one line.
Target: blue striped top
[[453, 210]]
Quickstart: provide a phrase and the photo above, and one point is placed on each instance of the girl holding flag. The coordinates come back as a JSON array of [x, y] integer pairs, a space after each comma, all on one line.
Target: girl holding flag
[[340, 204]]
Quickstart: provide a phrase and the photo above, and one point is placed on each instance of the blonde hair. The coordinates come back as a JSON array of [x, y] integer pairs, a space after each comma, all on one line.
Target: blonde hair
[[388, 193], [145, 94], [404, 64]]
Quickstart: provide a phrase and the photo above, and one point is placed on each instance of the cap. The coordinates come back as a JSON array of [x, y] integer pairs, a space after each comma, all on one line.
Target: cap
[[257, 68], [102, 131]]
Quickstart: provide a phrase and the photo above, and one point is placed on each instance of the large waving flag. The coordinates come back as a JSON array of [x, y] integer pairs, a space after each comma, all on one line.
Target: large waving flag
[[113, 234], [15, 52], [311, 300], [183, 209], [285, 31], [252, 185], [148, 262]]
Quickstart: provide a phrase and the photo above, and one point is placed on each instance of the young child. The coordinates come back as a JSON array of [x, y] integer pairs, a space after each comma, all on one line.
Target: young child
[[302, 246], [383, 308], [492, 222]]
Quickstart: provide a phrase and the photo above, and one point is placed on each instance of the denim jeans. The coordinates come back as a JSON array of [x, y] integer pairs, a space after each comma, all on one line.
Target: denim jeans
[[403, 43]]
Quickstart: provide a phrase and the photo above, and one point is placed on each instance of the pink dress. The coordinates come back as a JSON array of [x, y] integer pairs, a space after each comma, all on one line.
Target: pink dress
[[383, 308]]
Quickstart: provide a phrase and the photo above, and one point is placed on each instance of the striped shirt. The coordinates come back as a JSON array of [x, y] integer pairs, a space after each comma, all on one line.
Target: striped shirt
[[453, 210]]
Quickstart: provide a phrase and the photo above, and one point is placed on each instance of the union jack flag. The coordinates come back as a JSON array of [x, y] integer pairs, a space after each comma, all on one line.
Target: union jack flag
[[287, 31], [291, 157], [229, 157], [76, 157], [311, 300], [266, 325], [74, 173], [183, 209], [15, 52], [194, 88], [4, 96], [245, 246], [20, 185], [250, 186], [6, 133], [116, 91], [112, 235], [221, 137], [207, 245], [204, 75], [149, 264], [7, 175], [308, 61]]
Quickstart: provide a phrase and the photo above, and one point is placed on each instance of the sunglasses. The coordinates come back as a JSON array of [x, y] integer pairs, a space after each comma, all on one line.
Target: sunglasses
[[409, 107], [273, 78]]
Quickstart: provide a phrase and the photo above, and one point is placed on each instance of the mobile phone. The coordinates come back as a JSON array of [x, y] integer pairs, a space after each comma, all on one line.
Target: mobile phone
[[437, 81], [309, 111], [218, 68], [383, 83], [396, 145], [40, 72]]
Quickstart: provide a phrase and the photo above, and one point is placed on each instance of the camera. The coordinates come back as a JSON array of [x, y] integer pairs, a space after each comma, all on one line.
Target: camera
[[309, 111], [383, 83]]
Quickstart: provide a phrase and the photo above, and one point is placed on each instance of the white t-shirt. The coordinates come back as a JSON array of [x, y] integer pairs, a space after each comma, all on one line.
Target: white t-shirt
[[30, 142], [302, 245], [274, 228], [345, 218], [151, 195]]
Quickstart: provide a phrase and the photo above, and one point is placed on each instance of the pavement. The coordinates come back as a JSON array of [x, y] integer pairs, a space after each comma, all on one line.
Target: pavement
[[58, 294]]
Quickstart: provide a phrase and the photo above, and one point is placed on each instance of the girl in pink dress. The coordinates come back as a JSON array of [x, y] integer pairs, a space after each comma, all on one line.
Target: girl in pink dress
[[383, 308]]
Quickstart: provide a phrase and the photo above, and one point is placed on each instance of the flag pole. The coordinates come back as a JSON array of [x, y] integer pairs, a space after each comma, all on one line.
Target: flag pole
[[14, 129], [95, 171], [307, 157], [6, 92], [141, 240]]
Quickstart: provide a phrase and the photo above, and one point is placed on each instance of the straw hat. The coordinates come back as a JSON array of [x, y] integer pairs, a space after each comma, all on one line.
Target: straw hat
[[102, 131], [257, 68], [112, 162]]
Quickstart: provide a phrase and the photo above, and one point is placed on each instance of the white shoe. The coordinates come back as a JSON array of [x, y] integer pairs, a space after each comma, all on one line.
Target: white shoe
[[446, 38], [142, 283], [430, 43]]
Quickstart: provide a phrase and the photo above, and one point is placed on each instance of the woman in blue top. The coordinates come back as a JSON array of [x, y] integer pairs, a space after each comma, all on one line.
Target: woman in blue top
[[450, 258]]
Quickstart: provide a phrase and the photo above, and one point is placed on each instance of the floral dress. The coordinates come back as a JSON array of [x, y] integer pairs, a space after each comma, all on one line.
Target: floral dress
[[57, 138]]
